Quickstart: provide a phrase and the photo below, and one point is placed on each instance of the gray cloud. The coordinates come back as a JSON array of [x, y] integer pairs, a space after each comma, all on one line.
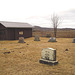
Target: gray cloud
[[69, 15]]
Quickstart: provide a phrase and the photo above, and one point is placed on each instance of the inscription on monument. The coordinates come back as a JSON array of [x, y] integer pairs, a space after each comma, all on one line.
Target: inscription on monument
[[48, 54]]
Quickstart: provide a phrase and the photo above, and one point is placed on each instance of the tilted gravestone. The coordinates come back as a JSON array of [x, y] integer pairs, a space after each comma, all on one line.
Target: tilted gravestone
[[21, 40], [48, 56], [36, 38], [52, 39], [73, 40]]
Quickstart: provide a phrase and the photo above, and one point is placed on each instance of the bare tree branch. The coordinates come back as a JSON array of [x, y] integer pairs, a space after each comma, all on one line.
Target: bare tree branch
[[55, 22]]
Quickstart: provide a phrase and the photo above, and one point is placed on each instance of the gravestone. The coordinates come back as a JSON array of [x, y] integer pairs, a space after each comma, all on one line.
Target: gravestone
[[43, 36], [37, 38], [48, 56], [21, 40], [52, 39], [73, 40], [48, 35]]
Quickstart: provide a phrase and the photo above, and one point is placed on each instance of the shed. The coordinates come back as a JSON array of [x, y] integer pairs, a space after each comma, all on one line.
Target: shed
[[14, 30]]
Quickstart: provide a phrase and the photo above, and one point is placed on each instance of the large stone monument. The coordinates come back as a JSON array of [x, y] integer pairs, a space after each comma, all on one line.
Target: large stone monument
[[21, 40], [52, 39], [48, 56], [37, 38], [73, 40]]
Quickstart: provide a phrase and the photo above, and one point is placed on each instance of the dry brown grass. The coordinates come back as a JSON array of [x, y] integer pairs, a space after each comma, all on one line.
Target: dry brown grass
[[23, 59], [60, 33]]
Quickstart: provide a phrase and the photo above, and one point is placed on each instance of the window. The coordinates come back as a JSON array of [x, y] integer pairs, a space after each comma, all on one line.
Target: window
[[21, 33]]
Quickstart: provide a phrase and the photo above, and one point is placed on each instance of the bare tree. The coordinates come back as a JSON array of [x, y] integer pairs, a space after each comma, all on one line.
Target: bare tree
[[55, 22]]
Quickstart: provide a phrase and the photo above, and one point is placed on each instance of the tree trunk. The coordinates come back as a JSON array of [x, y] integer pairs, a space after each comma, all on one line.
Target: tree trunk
[[55, 32]]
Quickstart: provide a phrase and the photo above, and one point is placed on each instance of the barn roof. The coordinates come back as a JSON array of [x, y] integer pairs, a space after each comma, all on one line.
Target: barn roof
[[15, 24]]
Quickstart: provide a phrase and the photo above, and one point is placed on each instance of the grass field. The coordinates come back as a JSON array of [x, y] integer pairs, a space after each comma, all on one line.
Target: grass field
[[60, 33], [23, 58]]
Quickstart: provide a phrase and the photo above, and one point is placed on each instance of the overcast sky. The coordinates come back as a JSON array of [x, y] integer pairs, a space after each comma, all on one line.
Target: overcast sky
[[38, 12]]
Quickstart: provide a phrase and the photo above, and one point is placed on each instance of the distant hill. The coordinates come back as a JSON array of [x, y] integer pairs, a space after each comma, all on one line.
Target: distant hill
[[61, 32], [38, 28]]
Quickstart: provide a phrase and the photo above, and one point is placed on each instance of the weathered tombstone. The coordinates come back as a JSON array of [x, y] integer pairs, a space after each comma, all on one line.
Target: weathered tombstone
[[48, 35], [48, 56], [36, 38], [21, 40], [43, 36], [73, 40], [52, 39]]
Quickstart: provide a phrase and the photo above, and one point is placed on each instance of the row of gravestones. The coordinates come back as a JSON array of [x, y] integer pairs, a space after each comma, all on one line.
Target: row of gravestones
[[52, 39]]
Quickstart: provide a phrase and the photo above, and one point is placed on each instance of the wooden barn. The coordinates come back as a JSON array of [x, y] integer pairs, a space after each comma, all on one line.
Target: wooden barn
[[14, 30]]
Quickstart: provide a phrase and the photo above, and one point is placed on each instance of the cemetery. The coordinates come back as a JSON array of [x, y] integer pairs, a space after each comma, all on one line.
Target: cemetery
[[29, 58], [37, 37]]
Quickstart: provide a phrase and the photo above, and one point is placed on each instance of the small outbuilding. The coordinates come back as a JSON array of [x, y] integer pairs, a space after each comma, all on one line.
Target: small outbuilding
[[14, 30]]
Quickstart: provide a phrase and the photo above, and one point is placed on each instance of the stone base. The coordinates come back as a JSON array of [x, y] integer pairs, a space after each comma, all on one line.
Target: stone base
[[36, 40], [48, 62], [73, 42], [51, 41], [21, 42]]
